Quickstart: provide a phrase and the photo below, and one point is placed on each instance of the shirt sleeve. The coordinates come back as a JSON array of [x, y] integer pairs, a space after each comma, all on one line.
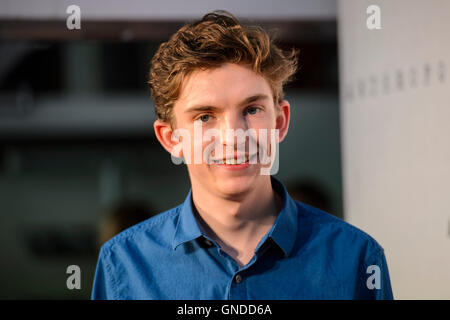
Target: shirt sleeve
[[103, 287], [375, 283]]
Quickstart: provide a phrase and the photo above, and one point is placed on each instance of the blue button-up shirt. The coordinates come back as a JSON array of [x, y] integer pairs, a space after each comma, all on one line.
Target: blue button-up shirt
[[307, 254]]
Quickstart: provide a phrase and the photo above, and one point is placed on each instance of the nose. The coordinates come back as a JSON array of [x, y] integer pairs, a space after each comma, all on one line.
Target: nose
[[231, 122]]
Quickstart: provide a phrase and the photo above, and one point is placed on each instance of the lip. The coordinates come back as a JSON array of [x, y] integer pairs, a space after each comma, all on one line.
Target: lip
[[234, 167], [224, 160]]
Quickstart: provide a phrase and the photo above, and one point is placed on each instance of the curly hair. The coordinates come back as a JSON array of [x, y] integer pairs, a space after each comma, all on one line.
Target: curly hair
[[216, 39]]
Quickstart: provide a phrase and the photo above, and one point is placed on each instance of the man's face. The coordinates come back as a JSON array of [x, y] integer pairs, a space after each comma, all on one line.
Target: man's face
[[229, 97]]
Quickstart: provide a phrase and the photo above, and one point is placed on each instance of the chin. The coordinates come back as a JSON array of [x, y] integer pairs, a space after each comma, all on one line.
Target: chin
[[235, 185]]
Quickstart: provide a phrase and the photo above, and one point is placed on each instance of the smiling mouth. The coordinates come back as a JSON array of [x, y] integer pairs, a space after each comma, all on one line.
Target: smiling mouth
[[232, 161]]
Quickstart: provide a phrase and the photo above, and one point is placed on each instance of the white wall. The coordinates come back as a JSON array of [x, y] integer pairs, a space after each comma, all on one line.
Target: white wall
[[395, 127]]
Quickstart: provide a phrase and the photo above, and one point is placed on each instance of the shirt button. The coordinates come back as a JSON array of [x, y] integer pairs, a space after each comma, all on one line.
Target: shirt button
[[208, 243], [238, 278]]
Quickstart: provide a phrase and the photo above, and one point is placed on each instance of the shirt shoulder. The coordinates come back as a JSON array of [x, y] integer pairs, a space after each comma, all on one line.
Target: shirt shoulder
[[316, 224], [349, 254], [121, 255]]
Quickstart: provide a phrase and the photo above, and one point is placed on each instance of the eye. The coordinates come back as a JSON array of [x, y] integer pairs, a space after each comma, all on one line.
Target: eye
[[204, 117], [251, 110]]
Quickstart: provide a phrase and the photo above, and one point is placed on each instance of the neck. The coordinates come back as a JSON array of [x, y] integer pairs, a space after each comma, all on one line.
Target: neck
[[237, 223]]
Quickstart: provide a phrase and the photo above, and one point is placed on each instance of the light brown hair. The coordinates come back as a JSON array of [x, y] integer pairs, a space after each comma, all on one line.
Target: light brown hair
[[216, 39]]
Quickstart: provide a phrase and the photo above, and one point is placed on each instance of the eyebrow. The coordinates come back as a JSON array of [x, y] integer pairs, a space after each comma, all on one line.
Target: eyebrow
[[199, 108]]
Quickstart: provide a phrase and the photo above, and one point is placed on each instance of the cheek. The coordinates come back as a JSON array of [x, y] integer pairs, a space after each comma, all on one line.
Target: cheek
[[267, 133], [201, 149], [263, 121]]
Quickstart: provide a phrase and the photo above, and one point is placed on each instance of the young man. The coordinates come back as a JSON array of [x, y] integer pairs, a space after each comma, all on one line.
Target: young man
[[238, 234]]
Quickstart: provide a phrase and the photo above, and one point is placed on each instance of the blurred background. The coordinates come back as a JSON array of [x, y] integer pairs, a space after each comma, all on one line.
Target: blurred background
[[79, 161]]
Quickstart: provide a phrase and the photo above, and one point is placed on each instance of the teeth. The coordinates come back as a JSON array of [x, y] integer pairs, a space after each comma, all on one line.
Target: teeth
[[232, 161]]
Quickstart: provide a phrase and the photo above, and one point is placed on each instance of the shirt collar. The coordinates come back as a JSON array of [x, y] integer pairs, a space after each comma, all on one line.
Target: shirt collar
[[283, 231], [187, 228]]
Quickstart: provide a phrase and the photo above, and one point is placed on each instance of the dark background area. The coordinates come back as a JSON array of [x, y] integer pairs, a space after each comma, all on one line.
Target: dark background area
[[76, 140]]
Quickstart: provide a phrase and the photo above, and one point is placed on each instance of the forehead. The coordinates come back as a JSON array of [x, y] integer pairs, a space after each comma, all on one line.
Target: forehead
[[229, 83]]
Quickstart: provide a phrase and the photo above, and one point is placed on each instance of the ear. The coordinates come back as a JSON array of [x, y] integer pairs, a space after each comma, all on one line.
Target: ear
[[163, 132], [282, 119]]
